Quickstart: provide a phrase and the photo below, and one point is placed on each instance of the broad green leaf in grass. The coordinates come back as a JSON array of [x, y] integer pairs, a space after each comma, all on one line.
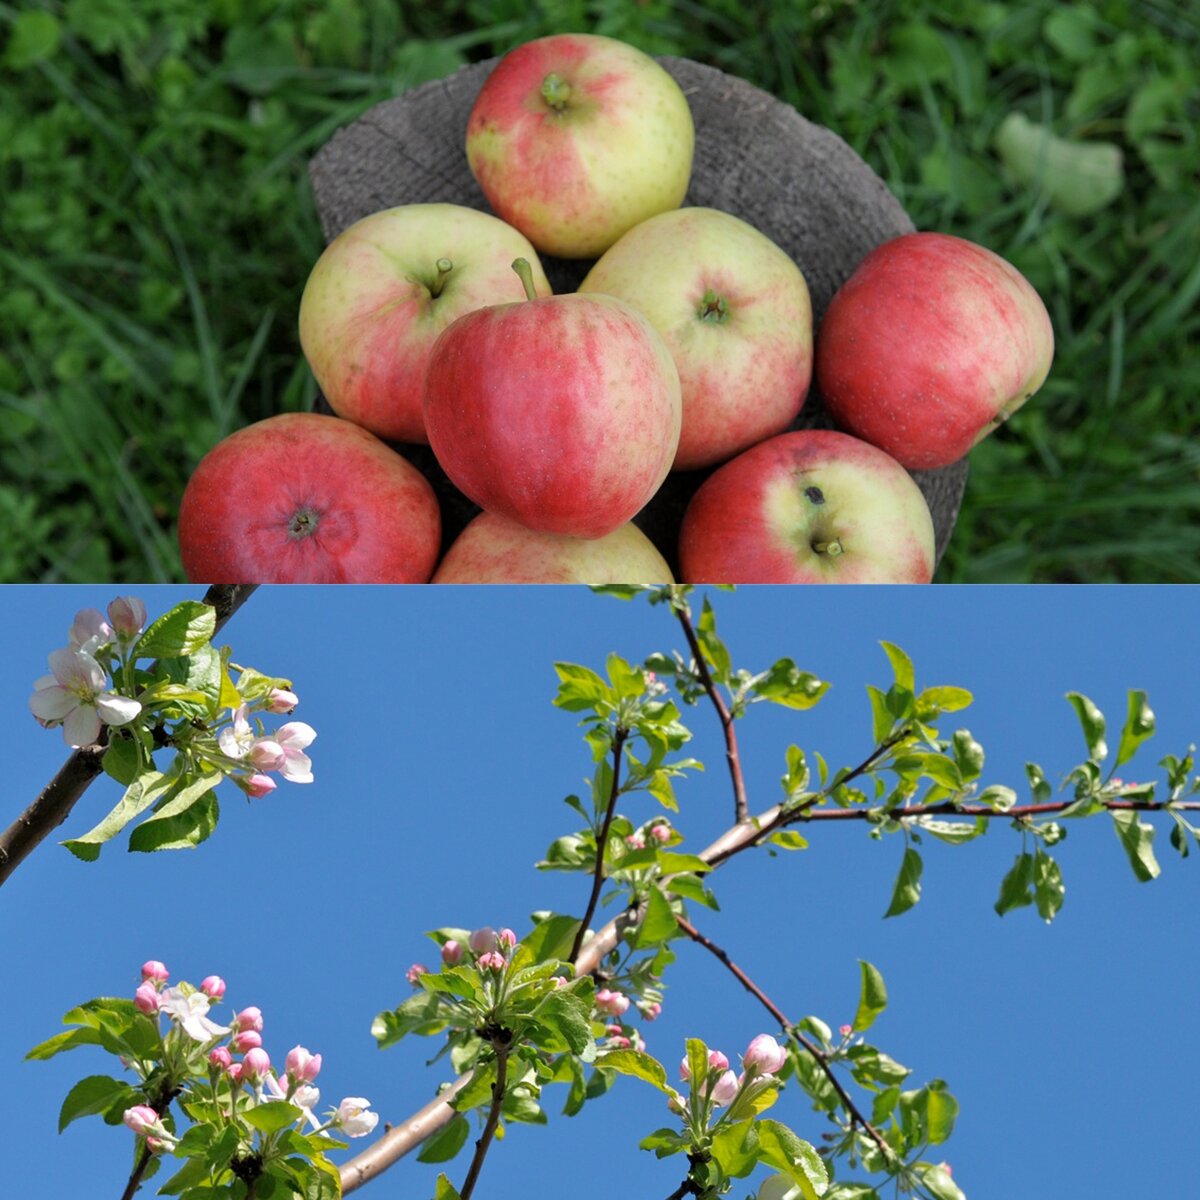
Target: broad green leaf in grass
[[34, 36], [1077, 177]]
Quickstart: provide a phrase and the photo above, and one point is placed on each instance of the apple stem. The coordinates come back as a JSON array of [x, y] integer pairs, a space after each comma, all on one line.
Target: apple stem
[[713, 307], [556, 91], [832, 548], [522, 268], [444, 267]]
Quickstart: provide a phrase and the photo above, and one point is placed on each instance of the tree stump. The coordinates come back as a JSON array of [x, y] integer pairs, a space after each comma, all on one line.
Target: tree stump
[[756, 158]]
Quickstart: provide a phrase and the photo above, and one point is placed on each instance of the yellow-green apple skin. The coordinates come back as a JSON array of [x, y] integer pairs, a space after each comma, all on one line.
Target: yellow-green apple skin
[[559, 413], [377, 300], [576, 138], [735, 313], [306, 498], [493, 549], [929, 346], [814, 506]]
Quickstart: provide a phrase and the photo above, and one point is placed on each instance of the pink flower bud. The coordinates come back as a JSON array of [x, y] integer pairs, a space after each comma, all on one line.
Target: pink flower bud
[[140, 1118], [452, 953], [492, 961], [652, 1010], [725, 1089], [213, 986], [235, 1072], [145, 999], [483, 940], [256, 1064], [946, 1167], [764, 1055], [613, 1030], [127, 615], [302, 1066], [257, 786], [613, 1003], [266, 755], [154, 972], [414, 973], [619, 1042], [221, 1058], [506, 939], [635, 841], [660, 833], [249, 1018], [154, 1145], [717, 1061], [280, 701], [845, 1030], [248, 1039]]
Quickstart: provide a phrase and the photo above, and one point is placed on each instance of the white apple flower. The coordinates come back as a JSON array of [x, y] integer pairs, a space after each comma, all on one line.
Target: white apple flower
[[354, 1118], [74, 697], [292, 738], [235, 740], [190, 1010]]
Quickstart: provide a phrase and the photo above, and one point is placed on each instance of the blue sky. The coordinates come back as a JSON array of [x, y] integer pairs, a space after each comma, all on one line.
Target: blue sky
[[440, 768]]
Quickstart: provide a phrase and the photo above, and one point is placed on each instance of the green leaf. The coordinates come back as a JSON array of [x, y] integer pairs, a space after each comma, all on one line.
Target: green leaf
[[697, 1059], [580, 689], [567, 1013], [1139, 726], [787, 685], [928, 1114], [852, 1191], [139, 795], [872, 999], [188, 817], [715, 652], [953, 833], [1072, 32], [902, 667], [421, 1014], [941, 1186], [664, 1142], [627, 681], [780, 1148], [1016, 887], [937, 700], [1091, 720], [641, 1065], [658, 925], [788, 839], [122, 761], [1037, 783], [735, 1147], [35, 36], [179, 632], [907, 889], [1077, 177], [95, 1094], [1137, 837], [445, 1190], [998, 798], [1048, 887], [443, 1145], [881, 716], [68, 1040], [271, 1116], [968, 755], [551, 939]]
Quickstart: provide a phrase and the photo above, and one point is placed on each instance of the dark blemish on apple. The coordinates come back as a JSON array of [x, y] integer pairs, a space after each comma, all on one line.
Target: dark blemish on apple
[[815, 495]]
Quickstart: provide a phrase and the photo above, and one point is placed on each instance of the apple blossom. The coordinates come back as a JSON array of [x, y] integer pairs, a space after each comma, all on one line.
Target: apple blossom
[[234, 1071], [190, 1011], [73, 696], [764, 1055], [248, 1039], [256, 1064], [614, 1003], [127, 615], [483, 940], [651, 1011], [506, 939], [293, 738], [256, 786], [414, 973], [354, 1117], [141, 1118], [307, 1098], [145, 999], [619, 1042], [281, 701], [266, 754], [154, 972], [249, 1018], [635, 841], [724, 1090], [89, 631], [716, 1062], [845, 1030], [301, 1065], [213, 986], [492, 961], [221, 1058], [452, 952], [660, 833]]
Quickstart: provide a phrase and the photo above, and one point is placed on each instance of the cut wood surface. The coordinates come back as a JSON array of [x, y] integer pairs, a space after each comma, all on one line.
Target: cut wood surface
[[756, 157]]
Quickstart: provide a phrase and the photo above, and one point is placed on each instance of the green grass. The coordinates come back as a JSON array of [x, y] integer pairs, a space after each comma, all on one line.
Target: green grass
[[156, 228]]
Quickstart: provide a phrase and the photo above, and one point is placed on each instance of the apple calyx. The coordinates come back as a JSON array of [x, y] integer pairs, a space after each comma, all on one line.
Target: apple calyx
[[303, 523], [444, 267], [556, 91], [712, 307], [525, 271]]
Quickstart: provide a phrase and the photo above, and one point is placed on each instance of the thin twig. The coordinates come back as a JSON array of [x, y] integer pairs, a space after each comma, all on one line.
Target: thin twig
[[602, 841], [135, 1179], [741, 810], [493, 1119], [56, 800], [819, 1056], [686, 1188]]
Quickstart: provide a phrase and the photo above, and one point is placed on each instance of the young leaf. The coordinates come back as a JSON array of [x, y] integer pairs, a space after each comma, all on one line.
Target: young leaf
[[641, 1066], [902, 667], [907, 889], [121, 759], [271, 1116], [968, 755], [715, 652], [735, 1147], [659, 922], [580, 689], [788, 839], [872, 998], [1139, 726], [664, 1142], [445, 1190], [1016, 886], [940, 1184], [443, 1145], [139, 795], [188, 817], [551, 938], [95, 1094], [1091, 720], [180, 631], [787, 685], [937, 700], [1137, 838], [1048, 887], [780, 1148]]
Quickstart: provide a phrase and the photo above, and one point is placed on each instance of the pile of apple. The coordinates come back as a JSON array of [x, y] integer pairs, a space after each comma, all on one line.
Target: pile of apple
[[689, 344]]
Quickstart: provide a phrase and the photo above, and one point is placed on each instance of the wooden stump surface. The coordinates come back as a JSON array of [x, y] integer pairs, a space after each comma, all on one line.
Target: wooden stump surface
[[756, 158]]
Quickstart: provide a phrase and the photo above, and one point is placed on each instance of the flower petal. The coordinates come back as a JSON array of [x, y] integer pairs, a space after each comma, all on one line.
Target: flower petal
[[297, 767], [295, 733], [52, 703], [81, 726], [116, 710]]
